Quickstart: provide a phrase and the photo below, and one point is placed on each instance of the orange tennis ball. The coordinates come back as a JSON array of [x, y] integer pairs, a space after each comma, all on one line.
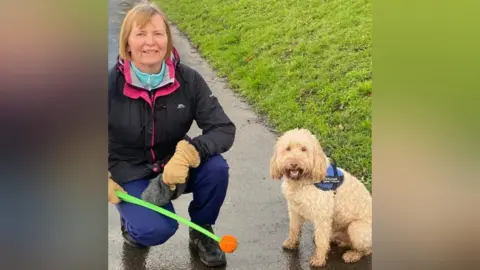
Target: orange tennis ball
[[228, 243]]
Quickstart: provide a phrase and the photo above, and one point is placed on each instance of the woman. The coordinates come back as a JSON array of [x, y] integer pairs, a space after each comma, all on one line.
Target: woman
[[153, 100]]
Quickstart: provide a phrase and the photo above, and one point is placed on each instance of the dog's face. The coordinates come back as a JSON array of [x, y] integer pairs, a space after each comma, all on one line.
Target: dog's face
[[298, 156]]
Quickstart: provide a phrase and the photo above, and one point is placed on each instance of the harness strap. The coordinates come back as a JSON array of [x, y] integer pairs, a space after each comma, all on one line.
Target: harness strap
[[333, 179]]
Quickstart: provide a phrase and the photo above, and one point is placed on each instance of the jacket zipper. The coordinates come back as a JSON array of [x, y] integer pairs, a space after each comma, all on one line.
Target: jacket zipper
[[153, 119], [153, 126]]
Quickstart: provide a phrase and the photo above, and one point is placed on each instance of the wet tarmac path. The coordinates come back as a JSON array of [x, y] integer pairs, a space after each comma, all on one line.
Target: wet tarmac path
[[254, 210]]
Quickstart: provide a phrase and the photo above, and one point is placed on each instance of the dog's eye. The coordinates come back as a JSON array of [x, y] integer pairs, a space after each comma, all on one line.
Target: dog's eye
[[288, 148], [304, 149]]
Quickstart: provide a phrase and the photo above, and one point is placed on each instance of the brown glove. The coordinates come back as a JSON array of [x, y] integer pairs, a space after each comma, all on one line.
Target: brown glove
[[176, 170], [112, 187]]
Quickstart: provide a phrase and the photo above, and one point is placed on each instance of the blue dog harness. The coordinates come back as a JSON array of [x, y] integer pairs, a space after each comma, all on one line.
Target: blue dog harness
[[332, 180]]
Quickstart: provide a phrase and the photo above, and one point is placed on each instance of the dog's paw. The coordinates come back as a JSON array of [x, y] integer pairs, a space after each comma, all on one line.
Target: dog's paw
[[318, 261], [290, 244], [351, 256]]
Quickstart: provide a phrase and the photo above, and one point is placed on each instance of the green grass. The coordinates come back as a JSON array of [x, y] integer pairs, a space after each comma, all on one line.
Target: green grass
[[300, 63]]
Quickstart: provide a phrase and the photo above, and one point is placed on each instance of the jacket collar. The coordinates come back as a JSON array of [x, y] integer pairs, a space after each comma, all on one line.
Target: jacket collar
[[134, 89]]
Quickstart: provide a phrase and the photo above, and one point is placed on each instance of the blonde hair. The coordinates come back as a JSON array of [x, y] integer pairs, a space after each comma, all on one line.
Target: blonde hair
[[141, 15]]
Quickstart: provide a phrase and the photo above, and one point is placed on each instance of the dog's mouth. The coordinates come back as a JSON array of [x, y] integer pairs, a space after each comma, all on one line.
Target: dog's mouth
[[294, 173]]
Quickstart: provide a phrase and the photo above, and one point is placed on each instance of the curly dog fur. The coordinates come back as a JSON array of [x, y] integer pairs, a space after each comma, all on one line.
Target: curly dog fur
[[344, 217]]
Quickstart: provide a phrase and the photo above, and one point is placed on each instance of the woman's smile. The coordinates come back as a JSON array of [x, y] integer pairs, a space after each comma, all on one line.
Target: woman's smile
[[150, 51]]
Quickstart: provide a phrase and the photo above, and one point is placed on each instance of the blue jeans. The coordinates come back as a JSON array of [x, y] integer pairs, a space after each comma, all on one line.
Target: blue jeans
[[208, 183]]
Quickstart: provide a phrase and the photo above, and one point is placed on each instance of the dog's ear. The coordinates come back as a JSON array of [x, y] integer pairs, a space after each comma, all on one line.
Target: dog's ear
[[275, 172], [319, 161]]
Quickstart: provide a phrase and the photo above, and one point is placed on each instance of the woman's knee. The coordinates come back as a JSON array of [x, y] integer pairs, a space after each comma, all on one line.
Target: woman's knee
[[218, 167], [153, 234]]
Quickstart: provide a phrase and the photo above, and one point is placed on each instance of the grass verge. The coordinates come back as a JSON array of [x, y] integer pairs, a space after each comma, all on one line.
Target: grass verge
[[300, 63]]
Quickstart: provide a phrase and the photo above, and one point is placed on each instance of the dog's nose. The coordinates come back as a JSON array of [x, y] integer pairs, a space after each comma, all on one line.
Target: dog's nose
[[294, 165]]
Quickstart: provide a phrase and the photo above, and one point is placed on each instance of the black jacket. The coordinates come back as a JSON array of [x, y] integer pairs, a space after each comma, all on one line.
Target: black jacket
[[145, 126]]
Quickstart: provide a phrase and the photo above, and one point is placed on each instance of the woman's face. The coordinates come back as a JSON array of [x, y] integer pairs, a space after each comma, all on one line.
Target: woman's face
[[148, 45]]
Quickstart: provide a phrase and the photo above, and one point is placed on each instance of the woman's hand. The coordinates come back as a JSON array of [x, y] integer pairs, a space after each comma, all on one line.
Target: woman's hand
[[176, 170], [112, 187]]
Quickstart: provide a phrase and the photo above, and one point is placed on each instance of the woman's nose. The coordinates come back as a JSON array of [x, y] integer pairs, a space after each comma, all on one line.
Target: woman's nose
[[149, 39]]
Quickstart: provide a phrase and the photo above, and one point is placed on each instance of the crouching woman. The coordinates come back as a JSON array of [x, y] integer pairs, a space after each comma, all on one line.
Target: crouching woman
[[153, 101]]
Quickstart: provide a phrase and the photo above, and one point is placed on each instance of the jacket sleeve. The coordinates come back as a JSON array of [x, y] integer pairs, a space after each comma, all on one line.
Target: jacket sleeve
[[218, 131]]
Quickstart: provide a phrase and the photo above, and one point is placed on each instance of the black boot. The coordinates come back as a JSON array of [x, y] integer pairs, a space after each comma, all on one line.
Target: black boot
[[128, 239], [208, 249]]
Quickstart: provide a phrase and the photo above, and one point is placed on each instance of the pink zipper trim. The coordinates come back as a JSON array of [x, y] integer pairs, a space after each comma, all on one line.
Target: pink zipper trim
[[153, 128]]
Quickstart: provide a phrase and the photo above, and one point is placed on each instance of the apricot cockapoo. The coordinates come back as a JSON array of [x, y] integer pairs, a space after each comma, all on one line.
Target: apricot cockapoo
[[342, 215]]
